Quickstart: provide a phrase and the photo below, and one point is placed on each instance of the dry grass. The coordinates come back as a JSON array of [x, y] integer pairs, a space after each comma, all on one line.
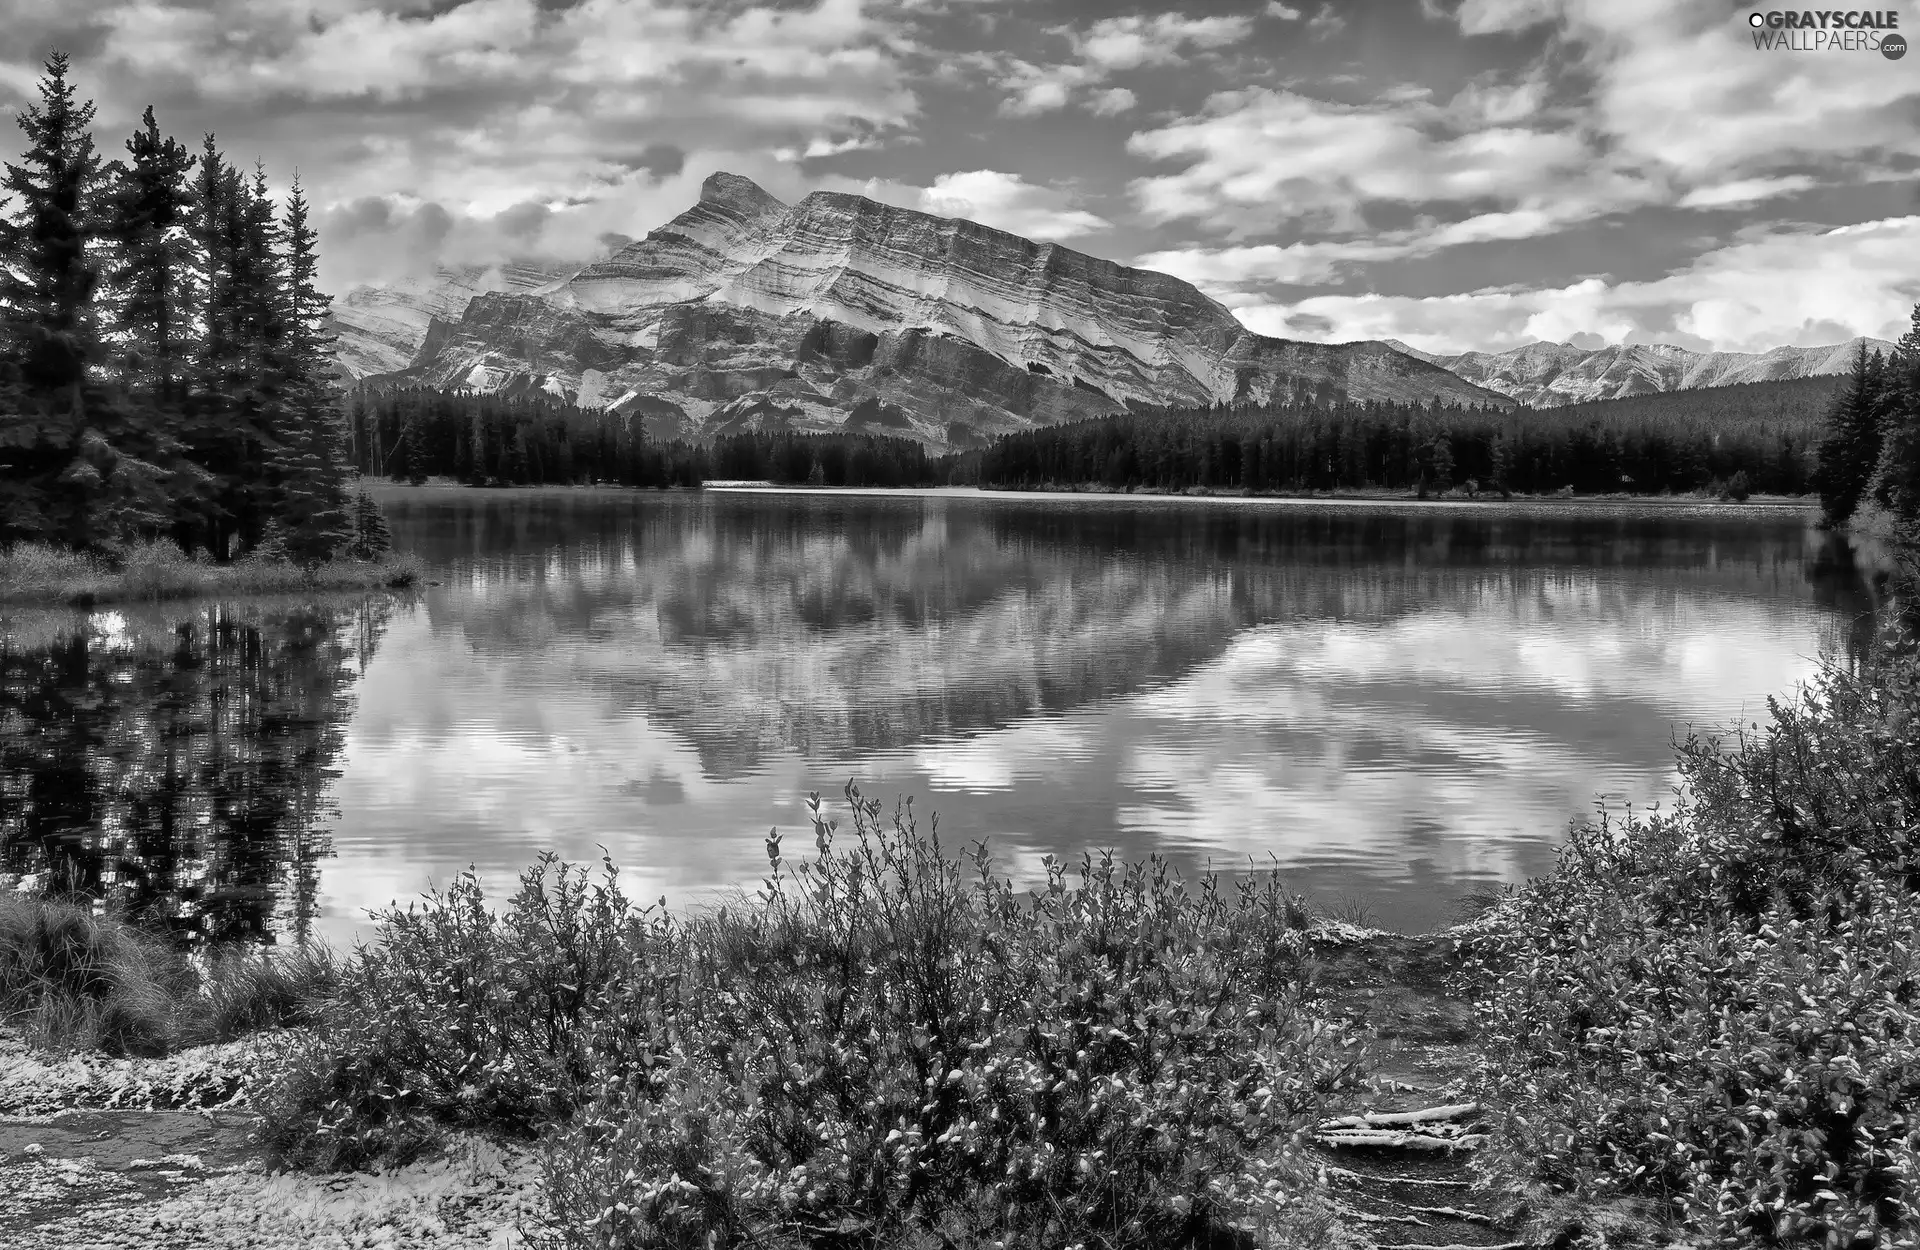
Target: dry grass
[[38, 573], [71, 980]]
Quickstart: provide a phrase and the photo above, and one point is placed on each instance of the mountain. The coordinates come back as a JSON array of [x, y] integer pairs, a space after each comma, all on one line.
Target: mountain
[[1546, 375], [380, 328], [841, 312]]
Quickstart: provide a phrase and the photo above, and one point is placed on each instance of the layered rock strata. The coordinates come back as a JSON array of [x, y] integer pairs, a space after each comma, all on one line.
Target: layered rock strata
[[840, 312]]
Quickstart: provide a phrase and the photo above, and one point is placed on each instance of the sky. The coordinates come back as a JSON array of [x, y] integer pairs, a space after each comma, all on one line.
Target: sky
[[1457, 174]]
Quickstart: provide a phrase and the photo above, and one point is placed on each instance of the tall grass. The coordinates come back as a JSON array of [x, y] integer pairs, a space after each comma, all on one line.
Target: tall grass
[[885, 1045], [74, 981], [39, 573]]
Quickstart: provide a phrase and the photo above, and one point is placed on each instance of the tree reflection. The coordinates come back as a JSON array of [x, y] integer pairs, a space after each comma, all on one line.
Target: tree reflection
[[175, 764]]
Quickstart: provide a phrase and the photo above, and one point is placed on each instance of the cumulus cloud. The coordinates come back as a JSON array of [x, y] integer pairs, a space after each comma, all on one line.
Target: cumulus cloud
[[1259, 157], [1771, 287], [1110, 46], [1681, 87], [477, 104], [992, 198]]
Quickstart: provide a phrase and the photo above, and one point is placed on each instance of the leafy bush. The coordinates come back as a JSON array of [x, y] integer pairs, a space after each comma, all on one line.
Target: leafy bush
[[1715, 1010], [877, 1046], [457, 1016]]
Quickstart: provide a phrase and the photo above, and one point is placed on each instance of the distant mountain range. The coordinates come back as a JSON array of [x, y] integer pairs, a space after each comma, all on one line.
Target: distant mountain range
[[840, 312], [1546, 375], [843, 313]]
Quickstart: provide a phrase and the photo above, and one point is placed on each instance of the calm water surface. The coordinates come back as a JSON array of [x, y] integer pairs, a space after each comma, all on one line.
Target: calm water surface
[[1397, 704]]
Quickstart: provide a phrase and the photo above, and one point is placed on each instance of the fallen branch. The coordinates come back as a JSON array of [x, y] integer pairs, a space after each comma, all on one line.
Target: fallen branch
[[1395, 1140], [1368, 1217], [1455, 1213], [1348, 1176], [1427, 1115]]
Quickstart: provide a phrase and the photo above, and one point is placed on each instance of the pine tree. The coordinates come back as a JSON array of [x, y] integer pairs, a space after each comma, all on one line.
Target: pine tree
[[312, 503], [214, 434], [1896, 479], [372, 540], [48, 288], [1850, 453], [1500, 474], [1443, 464], [79, 464], [149, 205]]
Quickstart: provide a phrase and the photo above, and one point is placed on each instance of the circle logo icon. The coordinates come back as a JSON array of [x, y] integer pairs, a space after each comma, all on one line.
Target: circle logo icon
[[1893, 47], [1757, 20]]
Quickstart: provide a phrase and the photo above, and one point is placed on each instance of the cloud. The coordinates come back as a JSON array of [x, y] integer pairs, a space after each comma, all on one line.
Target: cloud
[[1122, 43], [1113, 101], [1772, 286], [1326, 22], [1745, 191], [1682, 88], [1110, 46], [1008, 202], [1259, 157], [1285, 12], [1503, 17], [479, 104]]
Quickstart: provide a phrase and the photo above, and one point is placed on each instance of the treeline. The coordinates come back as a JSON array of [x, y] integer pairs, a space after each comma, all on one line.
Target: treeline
[[414, 433], [163, 366], [1716, 443], [411, 434], [1871, 451]]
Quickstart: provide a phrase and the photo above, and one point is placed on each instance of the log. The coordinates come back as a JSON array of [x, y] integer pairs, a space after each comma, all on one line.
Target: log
[[1455, 1213], [1385, 1119], [1347, 1176], [1396, 1140], [1368, 1217]]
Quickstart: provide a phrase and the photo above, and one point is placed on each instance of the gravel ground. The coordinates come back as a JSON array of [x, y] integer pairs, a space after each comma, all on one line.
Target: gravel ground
[[97, 1152], [479, 1195]]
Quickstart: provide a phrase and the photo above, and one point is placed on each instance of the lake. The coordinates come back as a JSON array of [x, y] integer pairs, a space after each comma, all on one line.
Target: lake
[[1393, 704]]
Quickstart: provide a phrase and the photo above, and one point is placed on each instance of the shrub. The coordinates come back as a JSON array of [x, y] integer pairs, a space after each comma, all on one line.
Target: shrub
[[457, 1016], [71, 980], [882, 1050], [877, 1046], [1715, 1010]]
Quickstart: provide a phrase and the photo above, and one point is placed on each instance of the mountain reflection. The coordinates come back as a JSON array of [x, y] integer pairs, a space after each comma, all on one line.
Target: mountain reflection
[[1402, 704], [1394, 704], [843, 626], [175, 761]]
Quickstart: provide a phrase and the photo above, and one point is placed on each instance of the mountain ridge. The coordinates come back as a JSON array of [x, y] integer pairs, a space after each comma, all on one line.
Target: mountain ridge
[[837, 312], [1542, 374]]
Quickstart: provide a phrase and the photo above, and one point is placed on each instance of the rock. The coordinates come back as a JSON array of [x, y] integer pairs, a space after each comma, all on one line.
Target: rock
[[938, 329]]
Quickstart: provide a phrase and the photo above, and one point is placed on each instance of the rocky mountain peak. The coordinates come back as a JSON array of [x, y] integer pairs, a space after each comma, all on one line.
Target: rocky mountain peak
[[841, 311], [740, 193]]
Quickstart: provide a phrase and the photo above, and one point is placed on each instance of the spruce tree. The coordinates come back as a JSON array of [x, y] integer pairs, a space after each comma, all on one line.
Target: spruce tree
[[1896, 480], [48, 286], [213, 433], [372, 540], [312, 504], [79, 464], [1850, 453], [148, 207]]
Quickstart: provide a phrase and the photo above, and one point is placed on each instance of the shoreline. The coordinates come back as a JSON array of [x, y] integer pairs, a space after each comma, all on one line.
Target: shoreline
[[78, 585], [1772, 505]]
